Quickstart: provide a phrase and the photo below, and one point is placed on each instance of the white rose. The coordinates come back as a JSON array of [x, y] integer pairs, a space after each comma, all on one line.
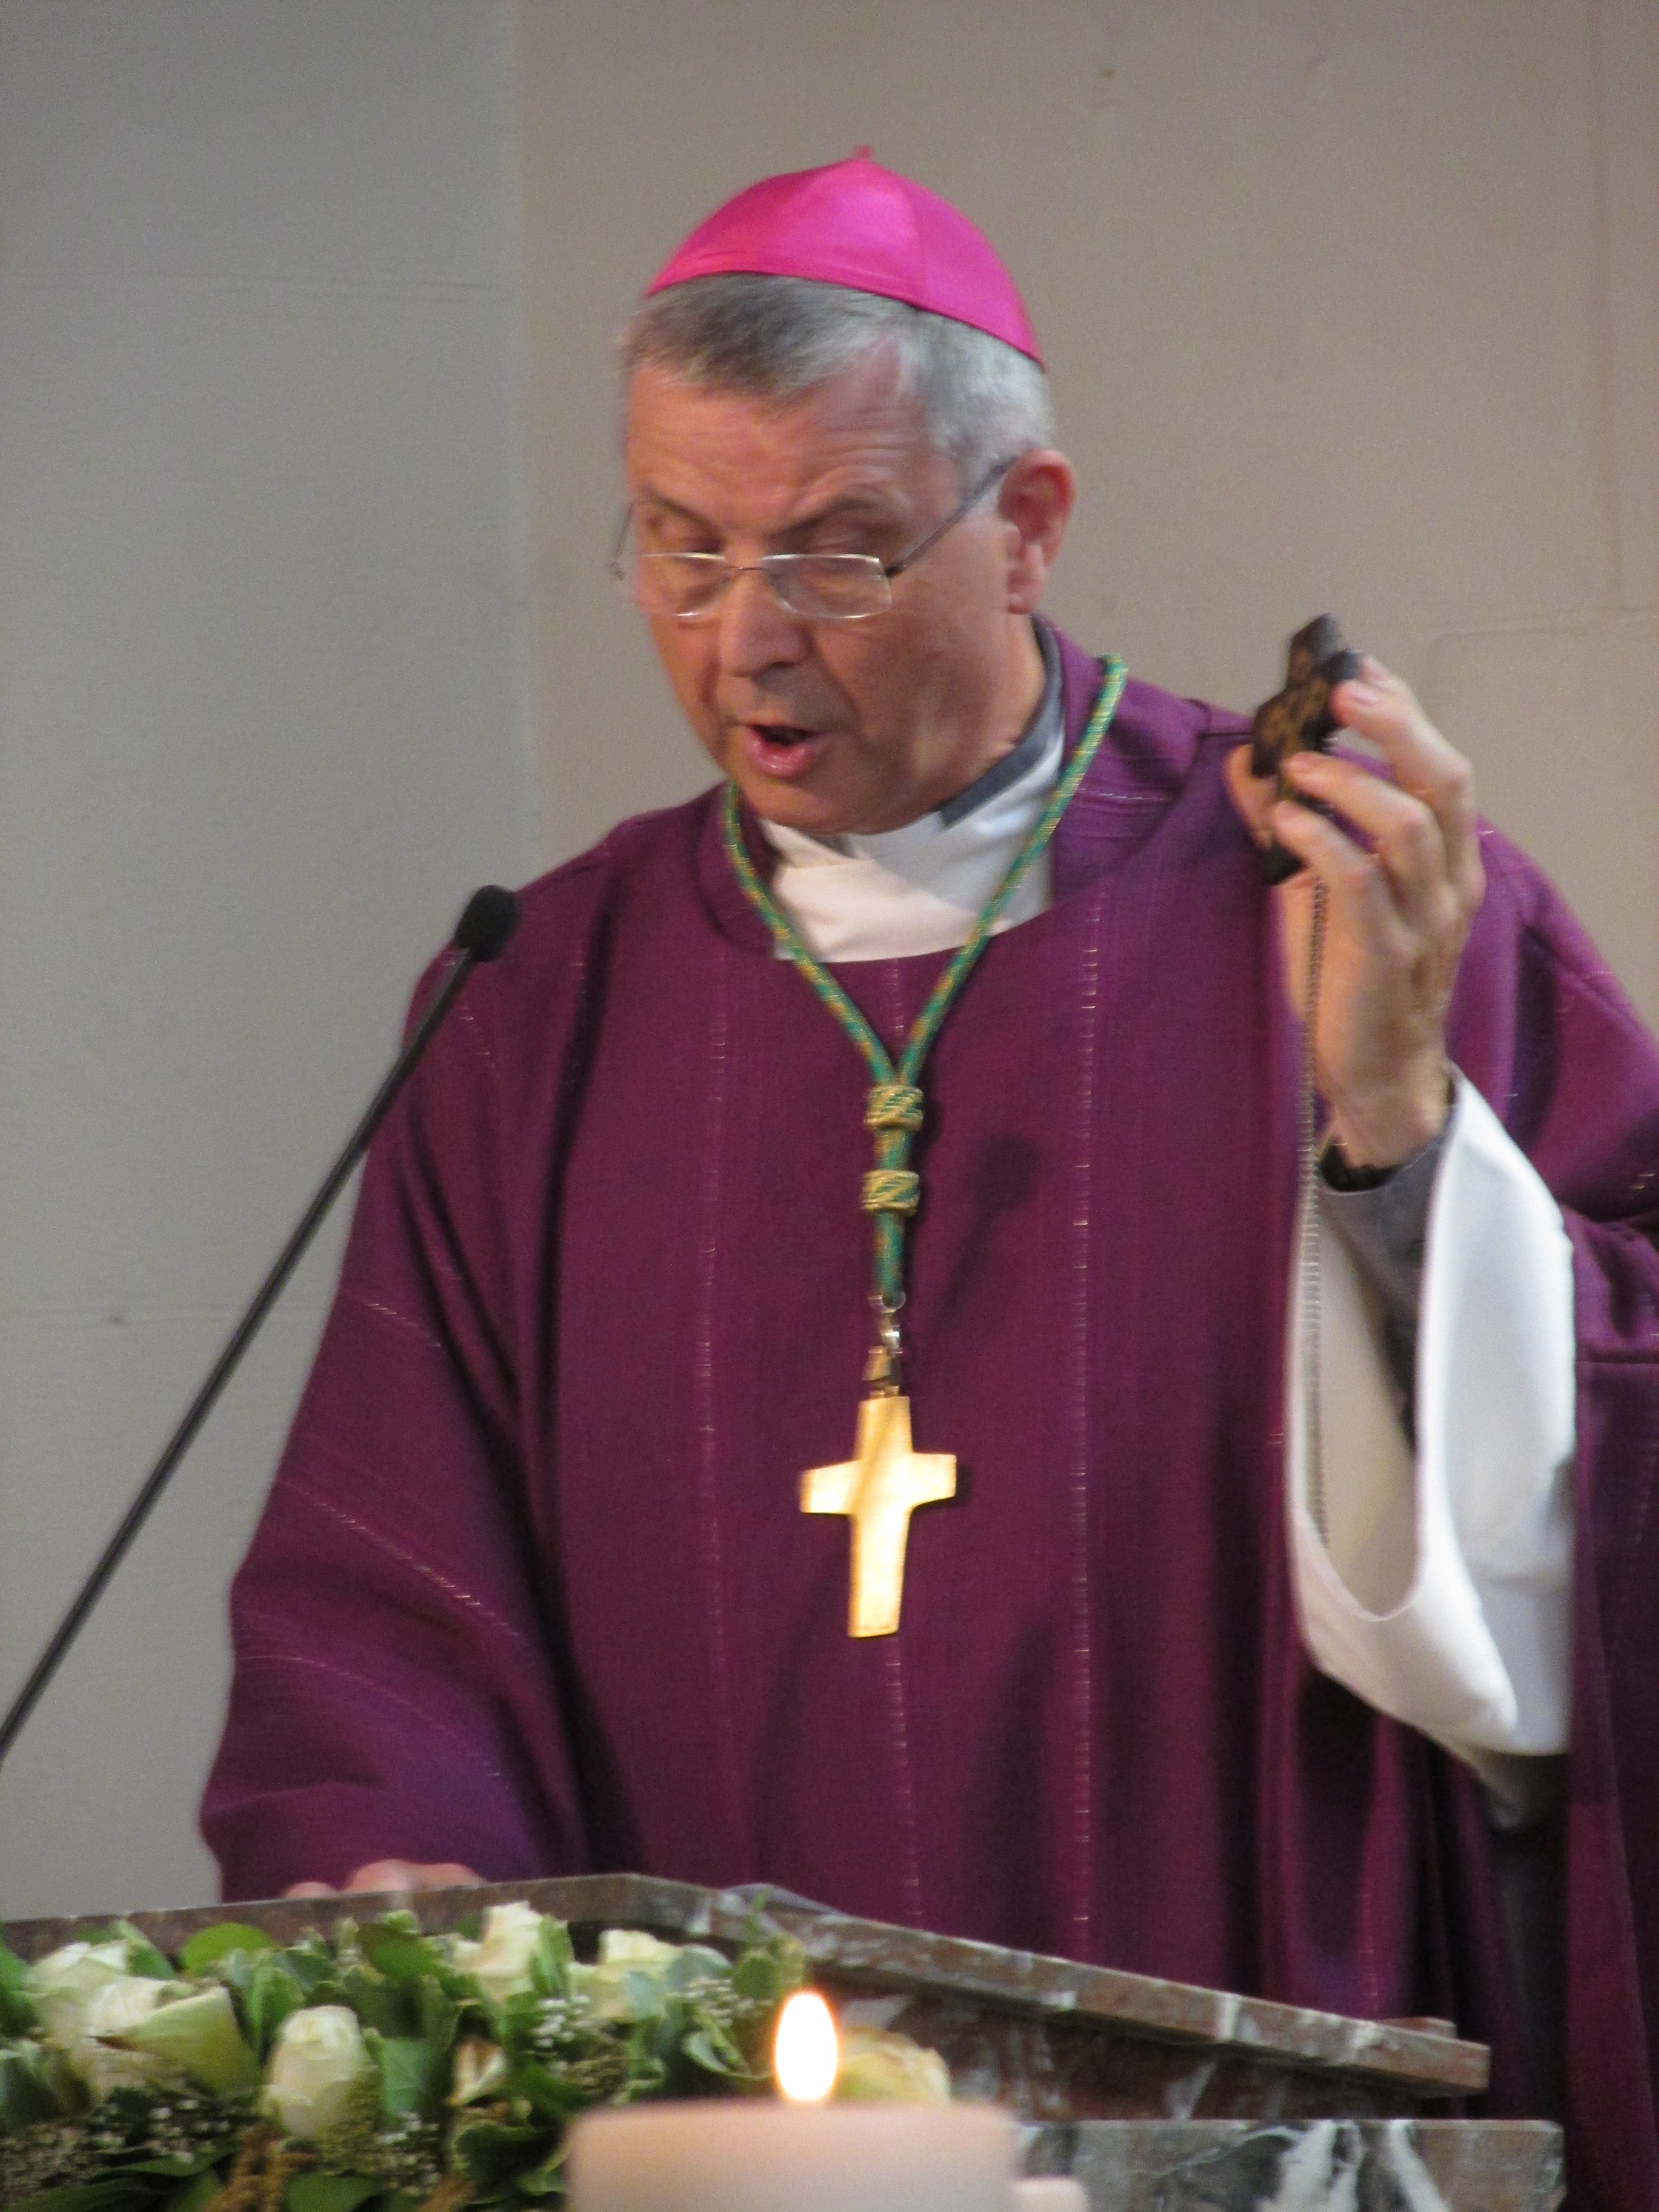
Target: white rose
[[318, 2071], [878, 2067], [97, 2053], [499, 1961], [632, 1947], [628, 1983], [64, 1982], [195, 2032]]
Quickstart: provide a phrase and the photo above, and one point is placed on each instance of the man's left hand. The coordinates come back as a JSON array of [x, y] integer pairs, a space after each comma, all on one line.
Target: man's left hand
[[1400, 899], [384, 1875]]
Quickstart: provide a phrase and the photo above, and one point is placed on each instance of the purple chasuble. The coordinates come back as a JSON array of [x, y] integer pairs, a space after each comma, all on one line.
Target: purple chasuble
[[532, 1590]]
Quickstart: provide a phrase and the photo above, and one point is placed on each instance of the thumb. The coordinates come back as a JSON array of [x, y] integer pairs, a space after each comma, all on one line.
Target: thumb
[[1252, 796]]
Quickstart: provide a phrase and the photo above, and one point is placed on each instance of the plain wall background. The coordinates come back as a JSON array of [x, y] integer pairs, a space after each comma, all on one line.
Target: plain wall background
[[262, 714], [306, 482]]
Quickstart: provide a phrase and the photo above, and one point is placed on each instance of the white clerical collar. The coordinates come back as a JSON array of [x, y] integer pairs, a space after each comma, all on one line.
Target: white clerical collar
[[922, 888]]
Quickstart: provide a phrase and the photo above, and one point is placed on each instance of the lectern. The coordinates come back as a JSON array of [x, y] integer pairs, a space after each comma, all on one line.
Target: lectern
[[1158, 2096]]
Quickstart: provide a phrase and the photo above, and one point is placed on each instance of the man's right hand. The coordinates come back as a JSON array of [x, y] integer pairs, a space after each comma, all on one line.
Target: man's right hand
[[381, 1875]]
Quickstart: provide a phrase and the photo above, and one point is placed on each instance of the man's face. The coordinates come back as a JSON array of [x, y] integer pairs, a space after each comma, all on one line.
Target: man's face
[[826, 726]]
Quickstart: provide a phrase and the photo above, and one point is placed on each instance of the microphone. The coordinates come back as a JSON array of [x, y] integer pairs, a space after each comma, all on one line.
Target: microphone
[[488, 922], [489, 919]]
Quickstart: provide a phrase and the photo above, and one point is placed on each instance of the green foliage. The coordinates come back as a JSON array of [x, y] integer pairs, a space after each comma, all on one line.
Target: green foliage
[[142, 1957], [485, 2049], [210, 1945], [759, 1976], [378, 2003], [404, 1960], [492, 2153], [273, 1992], [413, 2074], [27, 2090], [331, 2192], [16, 2006], [544, 2180], [118, 2194], [196, 2196], [551, 1960], [311, 1963], [438, 2015]]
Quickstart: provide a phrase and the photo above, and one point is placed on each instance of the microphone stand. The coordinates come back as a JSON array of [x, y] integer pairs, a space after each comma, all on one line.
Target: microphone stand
[[484, 928]]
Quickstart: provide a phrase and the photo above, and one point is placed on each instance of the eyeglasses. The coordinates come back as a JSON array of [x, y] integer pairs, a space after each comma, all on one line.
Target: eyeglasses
[[819, 588]]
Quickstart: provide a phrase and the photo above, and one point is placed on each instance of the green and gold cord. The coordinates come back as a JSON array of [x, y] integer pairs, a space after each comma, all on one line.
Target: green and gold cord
[[894, 1108]]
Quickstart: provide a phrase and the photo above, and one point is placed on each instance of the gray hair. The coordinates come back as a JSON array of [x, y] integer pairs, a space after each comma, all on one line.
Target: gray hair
[[776, 336]]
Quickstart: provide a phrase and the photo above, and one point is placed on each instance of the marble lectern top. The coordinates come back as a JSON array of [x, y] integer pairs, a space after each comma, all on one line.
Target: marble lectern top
[[1156, 2096], [1052, 2039]]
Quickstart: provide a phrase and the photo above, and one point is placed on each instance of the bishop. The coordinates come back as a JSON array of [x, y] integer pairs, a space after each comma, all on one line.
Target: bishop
[[533, 1592]]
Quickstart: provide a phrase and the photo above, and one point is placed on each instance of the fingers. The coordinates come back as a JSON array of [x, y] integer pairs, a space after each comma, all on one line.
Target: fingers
[[1421, 824], [406, 1873], [386, 1874], [1432, 774], [1358, 880], [1381, 708], [1404, 835], [1252, 795], [1403, 856]]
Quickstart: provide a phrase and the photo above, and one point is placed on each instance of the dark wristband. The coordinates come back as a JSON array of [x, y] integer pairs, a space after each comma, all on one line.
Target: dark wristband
[[1340, 1174]]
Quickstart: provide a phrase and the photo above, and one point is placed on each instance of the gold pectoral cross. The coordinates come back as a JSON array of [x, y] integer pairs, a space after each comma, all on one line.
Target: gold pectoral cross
[[877, 1490]]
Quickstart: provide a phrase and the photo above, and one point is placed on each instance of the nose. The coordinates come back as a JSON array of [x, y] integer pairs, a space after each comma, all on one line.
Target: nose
[[756, 630]]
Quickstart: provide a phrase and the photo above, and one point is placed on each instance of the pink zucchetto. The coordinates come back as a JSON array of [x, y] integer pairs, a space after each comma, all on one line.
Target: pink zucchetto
[[857, 224]]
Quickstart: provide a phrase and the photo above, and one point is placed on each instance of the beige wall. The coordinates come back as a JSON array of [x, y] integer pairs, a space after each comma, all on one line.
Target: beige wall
[[262, 729], [1346, 307]]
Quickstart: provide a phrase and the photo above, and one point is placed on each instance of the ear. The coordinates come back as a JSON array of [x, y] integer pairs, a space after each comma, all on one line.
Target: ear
[[1035, 502]]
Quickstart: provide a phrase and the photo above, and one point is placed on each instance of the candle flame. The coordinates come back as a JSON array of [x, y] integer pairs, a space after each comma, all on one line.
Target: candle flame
[[806, 2053]]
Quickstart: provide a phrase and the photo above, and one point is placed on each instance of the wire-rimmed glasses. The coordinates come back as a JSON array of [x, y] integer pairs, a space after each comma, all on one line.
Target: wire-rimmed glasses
[[820, 587]]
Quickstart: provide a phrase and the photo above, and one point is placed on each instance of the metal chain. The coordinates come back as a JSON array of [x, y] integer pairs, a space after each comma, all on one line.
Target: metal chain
[[1308, 1180]]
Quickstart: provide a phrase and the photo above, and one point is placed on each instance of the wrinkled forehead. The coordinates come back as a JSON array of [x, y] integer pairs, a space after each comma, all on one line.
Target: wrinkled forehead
[[747, 458]]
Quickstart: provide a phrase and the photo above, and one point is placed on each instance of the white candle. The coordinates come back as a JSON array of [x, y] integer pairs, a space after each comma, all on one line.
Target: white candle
[[732, 2155], [1050, 2192]]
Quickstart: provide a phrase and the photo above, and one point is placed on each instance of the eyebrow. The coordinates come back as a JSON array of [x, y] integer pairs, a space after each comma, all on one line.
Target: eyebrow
[[848, 505]]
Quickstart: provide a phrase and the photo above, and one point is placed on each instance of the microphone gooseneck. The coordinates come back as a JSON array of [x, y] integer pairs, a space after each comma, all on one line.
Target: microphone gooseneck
[[489, 919]]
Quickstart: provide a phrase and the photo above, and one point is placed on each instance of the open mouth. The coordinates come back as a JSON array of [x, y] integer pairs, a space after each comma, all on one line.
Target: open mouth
[[781, 748]]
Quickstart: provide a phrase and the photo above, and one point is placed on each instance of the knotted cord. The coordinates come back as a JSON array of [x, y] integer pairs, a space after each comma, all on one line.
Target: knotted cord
[[894, 1107]]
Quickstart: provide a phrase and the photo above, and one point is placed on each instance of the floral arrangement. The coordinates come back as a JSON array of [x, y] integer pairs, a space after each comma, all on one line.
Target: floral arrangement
[[375, 2069]]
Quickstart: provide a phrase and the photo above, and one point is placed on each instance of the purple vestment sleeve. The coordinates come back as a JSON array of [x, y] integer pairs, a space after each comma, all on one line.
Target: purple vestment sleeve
[[394, 1694]]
